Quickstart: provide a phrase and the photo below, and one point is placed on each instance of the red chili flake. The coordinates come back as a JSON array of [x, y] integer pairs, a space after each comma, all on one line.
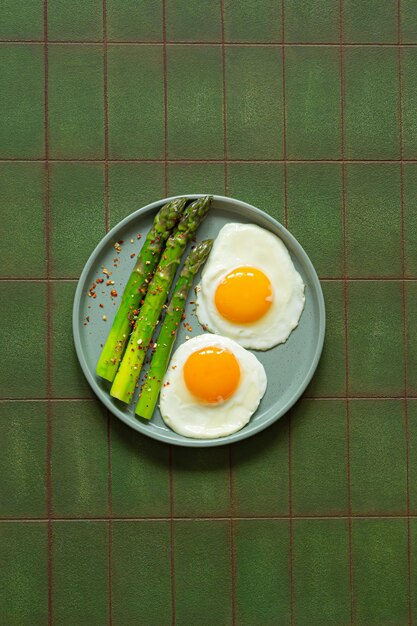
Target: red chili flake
[[100, 305], [100, 280], [204, 327], [94, 295], [183, 316], [132, 255], [105, 271], [192, 301], [120, 242], [189, 328], [113, 293], [139, 236]]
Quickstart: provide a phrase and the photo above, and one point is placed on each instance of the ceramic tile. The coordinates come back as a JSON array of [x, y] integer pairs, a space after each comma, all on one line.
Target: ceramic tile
[[79, 460], [254, 104], [23, 581], [371, 103], [315, 213], [136, 102], [76, 193], [193, 21], [319, 458], [380, 573], [141, 573], [23, 459], [375, 339], [80, 577], [248, 21], [313, 128], [195, 122], [260, 184], [321, 572], [260, 473], [22, 194], [316, 21], [21, 20], [140, 474], [80, 20], [131, 186], [370, 22], [134, 20], [22, 123], [262, 572], [23, 366], [378, 457], [373, 220], [202, 572], [75, 101]]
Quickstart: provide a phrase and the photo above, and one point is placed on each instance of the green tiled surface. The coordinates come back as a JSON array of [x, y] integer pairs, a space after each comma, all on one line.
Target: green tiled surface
[[195, 123], [75, 97], [23, 580], [380, 590], [321, 573], [312, 122], [81, 20], [253, 103], [262, 571], [22, 76], [306, 523], [80, 572]]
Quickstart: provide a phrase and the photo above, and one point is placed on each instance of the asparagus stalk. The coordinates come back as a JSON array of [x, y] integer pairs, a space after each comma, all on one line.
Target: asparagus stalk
[[167, 334], [127, 376], [136, 286]]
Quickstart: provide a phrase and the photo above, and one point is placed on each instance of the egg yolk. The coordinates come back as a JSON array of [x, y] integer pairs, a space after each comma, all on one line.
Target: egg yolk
[[212, 374], [244, 295]]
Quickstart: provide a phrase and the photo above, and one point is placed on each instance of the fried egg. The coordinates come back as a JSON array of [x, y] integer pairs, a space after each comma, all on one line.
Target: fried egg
[[211, 388], [250, 290]]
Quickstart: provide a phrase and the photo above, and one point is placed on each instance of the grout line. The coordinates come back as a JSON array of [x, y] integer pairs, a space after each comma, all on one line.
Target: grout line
[[171, 532], [107, 226], [284, 159], [171, 449], [48, 318], [164, 60], [340, 398], [260, 518], [404, 311], [246, 44], [225, 146], [210, 161], [345, 306], [324, 279], [226, 190]]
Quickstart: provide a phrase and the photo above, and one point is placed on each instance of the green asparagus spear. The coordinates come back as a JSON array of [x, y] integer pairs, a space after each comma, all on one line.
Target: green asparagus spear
[[127, 376], [166, 338], [136, 286]]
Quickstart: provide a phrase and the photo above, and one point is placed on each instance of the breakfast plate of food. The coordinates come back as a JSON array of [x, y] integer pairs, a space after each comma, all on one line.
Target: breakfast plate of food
[[199, 320]]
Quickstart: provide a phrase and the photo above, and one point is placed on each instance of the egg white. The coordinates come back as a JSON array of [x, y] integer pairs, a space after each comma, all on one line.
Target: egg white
[[188, 416], [249, 245]]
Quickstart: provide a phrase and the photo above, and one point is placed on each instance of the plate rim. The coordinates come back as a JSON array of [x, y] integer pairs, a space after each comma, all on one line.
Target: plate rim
[[138, 425]]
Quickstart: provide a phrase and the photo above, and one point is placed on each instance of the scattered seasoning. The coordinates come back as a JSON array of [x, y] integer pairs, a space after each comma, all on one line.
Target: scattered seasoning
[[132, 255], [105, 271], [100, 280], [183, 316], [113, 293], [204, 327], [187, 337], [100, 305], [120, 242], [109, 282], [104, 318], [139, 236], [131, 241], [117, 247]]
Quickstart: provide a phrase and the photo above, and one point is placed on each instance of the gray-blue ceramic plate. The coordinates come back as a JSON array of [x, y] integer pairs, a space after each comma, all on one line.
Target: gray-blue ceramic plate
[[289, 367]]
